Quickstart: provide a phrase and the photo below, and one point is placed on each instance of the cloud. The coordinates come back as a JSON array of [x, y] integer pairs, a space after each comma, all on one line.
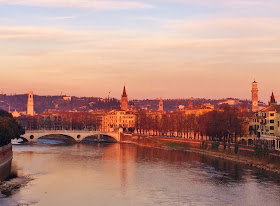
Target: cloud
[[177, 44], [230, 3], [105, 57], [59, 17], [184, 42], [89, 4], [250, 27]]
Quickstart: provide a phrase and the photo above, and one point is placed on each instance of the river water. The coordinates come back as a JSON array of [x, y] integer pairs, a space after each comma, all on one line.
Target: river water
[[122, 174]]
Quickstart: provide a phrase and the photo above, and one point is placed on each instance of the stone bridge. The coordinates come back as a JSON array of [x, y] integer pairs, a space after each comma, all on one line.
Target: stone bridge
[[78, 136]]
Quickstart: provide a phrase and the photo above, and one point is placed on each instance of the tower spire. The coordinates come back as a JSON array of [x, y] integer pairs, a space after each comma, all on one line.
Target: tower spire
[[124, 100], [124, 92], [272, 99]]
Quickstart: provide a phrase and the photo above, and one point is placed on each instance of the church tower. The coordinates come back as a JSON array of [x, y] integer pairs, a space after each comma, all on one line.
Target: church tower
[[255, 98], [272, 100], [30, 104], [124, 100], [160, 105]]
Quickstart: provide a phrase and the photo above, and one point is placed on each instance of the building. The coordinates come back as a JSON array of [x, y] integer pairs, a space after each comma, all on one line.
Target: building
[[30, 104], [16, 114], [199, 110], [67, 98], [230, 102], [160, 105], [269, 128], [272, 100], [190, 104], [116, 119], [181, 107], [265, 125], [124, 100], [255, 97]]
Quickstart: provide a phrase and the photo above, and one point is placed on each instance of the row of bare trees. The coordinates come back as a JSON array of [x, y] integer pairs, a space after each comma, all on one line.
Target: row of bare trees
[[225, 124], [62, 121]]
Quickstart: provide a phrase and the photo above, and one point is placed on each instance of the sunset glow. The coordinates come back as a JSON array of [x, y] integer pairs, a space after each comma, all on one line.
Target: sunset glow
[[168, 48]]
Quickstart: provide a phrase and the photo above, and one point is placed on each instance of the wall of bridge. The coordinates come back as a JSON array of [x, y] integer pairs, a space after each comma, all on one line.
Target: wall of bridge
[[78, 136]]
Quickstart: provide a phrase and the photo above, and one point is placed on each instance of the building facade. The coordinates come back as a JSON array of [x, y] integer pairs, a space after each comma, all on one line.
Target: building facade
[[116, 119], [265, 125]]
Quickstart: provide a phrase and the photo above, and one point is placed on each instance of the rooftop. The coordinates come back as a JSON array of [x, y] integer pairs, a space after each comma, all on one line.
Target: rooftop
[[272, 108]]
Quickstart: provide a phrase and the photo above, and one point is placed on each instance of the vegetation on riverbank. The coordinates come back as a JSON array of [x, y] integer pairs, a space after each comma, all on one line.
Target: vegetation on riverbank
[[225, 124], [9, 128]]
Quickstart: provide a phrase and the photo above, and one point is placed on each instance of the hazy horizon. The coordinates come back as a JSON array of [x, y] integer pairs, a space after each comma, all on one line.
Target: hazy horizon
[[153, 98]]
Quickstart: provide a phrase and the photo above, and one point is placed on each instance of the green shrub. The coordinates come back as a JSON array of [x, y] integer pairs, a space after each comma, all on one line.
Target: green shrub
[[9, 128], [259, 152], [215, 145]]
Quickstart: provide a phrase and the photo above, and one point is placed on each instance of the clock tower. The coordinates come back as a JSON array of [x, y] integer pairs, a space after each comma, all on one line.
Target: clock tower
[[255, 98]]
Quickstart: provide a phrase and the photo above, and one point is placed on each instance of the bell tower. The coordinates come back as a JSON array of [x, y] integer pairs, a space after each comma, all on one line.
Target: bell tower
[[30, 104], [255, 97], [272, 100], [160, 105], [124, 100]]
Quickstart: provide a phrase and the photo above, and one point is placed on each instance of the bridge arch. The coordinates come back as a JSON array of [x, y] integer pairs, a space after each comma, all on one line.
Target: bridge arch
[[63, 137], [99, 138]]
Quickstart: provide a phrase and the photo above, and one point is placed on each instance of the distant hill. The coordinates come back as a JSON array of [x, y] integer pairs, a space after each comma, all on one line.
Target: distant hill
[[173, 104], [57, 103]]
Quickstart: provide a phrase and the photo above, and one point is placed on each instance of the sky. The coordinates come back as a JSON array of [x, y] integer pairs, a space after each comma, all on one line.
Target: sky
[[157, 48]]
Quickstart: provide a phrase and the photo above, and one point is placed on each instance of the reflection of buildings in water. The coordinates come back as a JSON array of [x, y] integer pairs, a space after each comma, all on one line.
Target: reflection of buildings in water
[[123, 154], [233, 171]]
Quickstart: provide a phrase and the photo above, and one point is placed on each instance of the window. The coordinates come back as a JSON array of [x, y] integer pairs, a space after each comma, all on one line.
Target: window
[[271, 127], [272, 121], [272, 114]]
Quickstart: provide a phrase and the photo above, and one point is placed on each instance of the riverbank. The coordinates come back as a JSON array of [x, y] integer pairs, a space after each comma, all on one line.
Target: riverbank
[[9, 187], [245, 155], [9, 181]]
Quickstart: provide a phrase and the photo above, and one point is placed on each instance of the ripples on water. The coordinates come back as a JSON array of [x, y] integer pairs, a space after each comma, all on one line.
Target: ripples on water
[[120, 174]]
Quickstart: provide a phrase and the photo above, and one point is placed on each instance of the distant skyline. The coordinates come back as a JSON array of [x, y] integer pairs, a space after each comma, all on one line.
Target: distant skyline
[[157, 48]]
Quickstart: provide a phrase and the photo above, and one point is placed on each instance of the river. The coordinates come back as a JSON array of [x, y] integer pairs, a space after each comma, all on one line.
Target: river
[[123, 174]]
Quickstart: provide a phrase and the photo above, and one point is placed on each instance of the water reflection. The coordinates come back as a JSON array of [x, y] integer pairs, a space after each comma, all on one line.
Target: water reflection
[[120, 174]]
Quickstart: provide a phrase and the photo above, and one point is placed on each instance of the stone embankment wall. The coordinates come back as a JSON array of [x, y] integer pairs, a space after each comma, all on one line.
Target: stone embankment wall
[[6, 154], [158, 142], [188, 144]]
